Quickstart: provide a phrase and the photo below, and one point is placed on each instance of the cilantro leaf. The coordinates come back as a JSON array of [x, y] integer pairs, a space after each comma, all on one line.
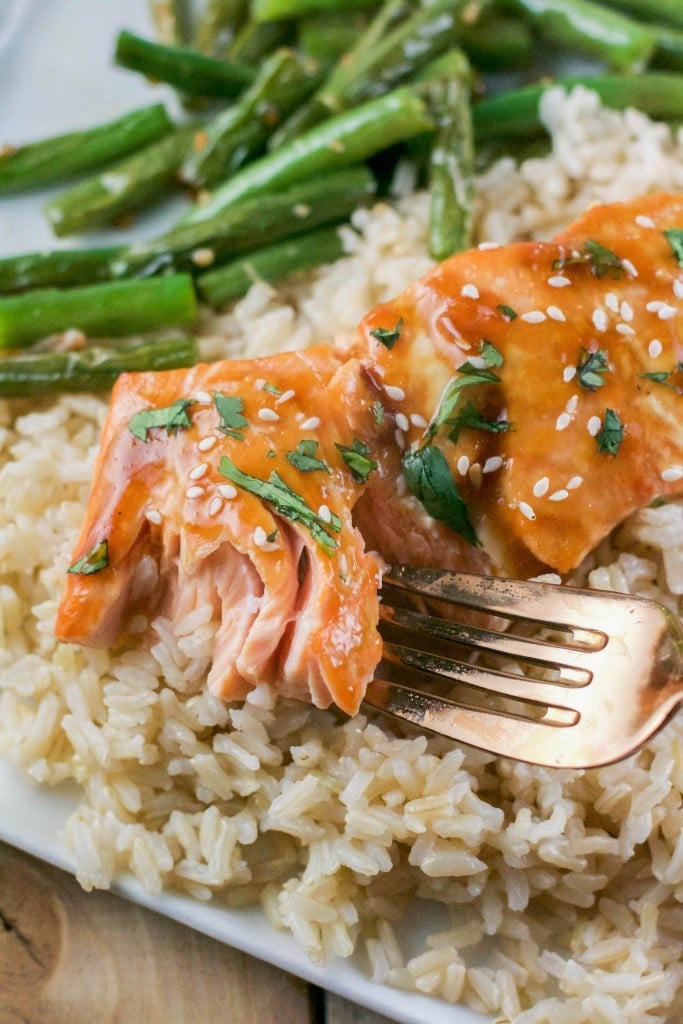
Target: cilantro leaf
[[356, 458], [429, 478], [445, 413], [272, 389], [674, 237], [230, 409], [377, 410], [610, 436], [286, 502], [590, 368], [490, 354], [174, 417], [470, 416], [602, 261], [507, 311], [94, 561], [664, 377], [305, 459], [388, 336]]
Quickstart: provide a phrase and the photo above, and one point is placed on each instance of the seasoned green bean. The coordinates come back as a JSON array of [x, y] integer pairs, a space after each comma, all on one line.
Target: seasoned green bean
[[57, 269]]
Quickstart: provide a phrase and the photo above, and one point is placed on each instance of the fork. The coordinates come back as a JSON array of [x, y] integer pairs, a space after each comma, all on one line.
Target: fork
[[602, 677]]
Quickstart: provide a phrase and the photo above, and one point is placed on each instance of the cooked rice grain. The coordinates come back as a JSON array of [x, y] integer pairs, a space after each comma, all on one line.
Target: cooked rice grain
[[554, 896]]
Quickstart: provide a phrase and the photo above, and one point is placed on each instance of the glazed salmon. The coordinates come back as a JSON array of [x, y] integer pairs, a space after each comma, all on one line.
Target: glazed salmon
[[503, 414]]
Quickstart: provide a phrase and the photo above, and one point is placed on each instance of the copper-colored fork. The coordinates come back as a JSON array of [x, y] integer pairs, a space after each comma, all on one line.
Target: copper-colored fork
[[595, 677]]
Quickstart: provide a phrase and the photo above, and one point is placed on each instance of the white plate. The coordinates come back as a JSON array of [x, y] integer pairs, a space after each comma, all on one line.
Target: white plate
[[56, 75]]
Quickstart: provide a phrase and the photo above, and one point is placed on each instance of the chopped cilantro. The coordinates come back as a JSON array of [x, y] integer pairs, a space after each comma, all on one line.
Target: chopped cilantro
[[95, 560], [174, 417], [429, 478], [602, 261], [272, 389], [610, 436], [664, 377], [305, 459], [470, 416], [230, 409], [674, 237], [451, 396], [490, 354], [377, 410], [272, 536], [388, 336], [507, 311], [356, 458], [286, 501], [590, 368]]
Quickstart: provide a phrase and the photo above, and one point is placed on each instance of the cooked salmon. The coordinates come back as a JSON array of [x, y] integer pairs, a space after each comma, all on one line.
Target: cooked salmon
[[503, 414]]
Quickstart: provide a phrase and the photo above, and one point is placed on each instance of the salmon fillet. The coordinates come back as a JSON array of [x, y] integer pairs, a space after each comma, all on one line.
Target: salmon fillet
[[503, 414]]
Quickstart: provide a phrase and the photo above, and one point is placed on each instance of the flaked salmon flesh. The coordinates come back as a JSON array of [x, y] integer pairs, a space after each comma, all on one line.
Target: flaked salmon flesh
[[502, 415]]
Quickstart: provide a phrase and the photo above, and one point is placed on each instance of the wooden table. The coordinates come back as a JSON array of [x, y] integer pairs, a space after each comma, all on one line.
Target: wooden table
[[67, 956]]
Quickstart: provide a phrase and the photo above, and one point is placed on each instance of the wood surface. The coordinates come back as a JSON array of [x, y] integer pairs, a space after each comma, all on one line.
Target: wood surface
[[67, 957]]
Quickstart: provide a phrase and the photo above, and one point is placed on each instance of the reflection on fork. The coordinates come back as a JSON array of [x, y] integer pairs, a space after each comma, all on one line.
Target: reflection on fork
[[580, 678]]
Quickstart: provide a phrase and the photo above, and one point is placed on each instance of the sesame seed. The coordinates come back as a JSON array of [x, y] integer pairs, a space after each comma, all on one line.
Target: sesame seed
[[534, 316], [563, 421], [207, 443], [203, 398], [462, 465], [198, 471], [285, 396], [655, 348], [527, 510], [469, 291], [645, 222], [478, 362], [555, 313], [215, 505], [259, 537], [153, 515], [325, 514], [593, 425], [492, 464], [394, 393], [663, 310], [575, 482], [400, 438], [402, 421], [417, 420], [626, 311], [541, 487], [559, 281], [301, 210], [194, 492], [227, 491], [269, 415], [678, 288], [571, 405], [568, 374], [343, 563], [612, 302], [475, 474], [203, 257], [560, 495], [629, 268], [625, 329], [312, 423], [600, 321], [672, 474]]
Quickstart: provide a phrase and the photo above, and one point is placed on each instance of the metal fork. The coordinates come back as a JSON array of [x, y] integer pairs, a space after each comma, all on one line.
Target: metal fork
[[602, 677]]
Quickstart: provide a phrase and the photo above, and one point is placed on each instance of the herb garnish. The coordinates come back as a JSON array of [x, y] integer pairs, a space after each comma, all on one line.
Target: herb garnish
[[429, 478], [601, 260], [286, 501], [174, 417], [469, 416], [674, 237], [590, 368], [377, 410], [305, 459], [664, 377], [507, 311], [356, 458], [272, 389], [490, 354], [611, 435], [230, 409], [95, 560], [451, 396], [388, 336]]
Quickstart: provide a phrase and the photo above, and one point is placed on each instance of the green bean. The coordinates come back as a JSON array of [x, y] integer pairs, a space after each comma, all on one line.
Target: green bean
[[256, 40], [590, 29], [270, 10], [514, 114], [311, 203], [218, 24], [122, 187], [57, 269], [113, 309], [669, 52], [328, 37], [192, 73], [62, 156], [93, 368], [284, 80], [272, 263], [658, 11], [498, 42], [340, 141]]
